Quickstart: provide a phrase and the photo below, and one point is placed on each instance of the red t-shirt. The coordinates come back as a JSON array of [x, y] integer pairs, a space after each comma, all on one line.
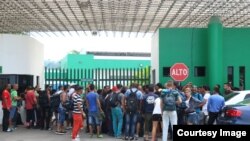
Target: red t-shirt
[[6, 96], [29, 100]]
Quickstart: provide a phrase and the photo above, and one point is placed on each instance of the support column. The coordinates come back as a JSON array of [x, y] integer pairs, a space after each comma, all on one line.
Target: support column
[[215, 52]]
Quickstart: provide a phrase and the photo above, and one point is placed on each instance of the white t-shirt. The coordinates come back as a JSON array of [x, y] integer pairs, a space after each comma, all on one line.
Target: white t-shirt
[[204, 107], [157, 108], [71, 91], [187, 103]]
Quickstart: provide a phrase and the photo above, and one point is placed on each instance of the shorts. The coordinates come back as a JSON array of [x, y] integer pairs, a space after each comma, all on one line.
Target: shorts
[[139, 118], [157, 117], [12, 112], [62, 115], [94, 119]]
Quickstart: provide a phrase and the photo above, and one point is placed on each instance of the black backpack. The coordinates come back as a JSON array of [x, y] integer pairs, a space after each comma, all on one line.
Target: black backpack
[[69, 104], [132, 103], [55, 100], [114, 101], [43, 99]]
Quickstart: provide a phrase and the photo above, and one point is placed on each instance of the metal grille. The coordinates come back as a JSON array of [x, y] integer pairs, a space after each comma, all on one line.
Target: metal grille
[[100, 77], [96, 16]]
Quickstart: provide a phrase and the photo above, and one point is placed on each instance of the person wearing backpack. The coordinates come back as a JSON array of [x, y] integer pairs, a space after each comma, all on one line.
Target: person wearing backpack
[[133, 98], [116, 103], [169, 99], [196, 94], [44, 102], [62, 111], [148, 107]]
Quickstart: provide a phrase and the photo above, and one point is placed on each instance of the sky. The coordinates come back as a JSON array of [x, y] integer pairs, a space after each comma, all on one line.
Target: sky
[[56, 48]]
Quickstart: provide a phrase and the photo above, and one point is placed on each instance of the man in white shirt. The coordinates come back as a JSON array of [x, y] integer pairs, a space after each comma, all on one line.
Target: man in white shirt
[[206, 94]]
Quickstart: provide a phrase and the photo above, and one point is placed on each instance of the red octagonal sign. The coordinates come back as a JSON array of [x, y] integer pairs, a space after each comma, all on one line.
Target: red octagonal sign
[[179, 72]]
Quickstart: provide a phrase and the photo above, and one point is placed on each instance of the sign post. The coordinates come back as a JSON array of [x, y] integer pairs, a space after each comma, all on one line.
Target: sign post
[[179, 72]]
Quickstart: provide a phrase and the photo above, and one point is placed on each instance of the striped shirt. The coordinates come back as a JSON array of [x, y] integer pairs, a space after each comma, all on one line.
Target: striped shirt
[[77, 99]]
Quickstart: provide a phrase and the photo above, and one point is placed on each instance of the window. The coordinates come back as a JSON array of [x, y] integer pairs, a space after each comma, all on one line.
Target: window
[[199, 71], [242, 78], [230, 75], [166, 71], [247, 96]]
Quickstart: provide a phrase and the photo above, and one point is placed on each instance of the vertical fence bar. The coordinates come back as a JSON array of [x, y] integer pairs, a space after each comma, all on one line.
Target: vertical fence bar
[[116, 76], [149, 74], [45, 75], [142, 76], [98, 77], [53, 76], [74, 75], [63, 77], [78, 76], [92, 76], [59, 76], [71, 76], [85, 76], [55, 79], [134, 75], [112, 82], [95, 78], [102, 78], [120, 75], [105, 77]]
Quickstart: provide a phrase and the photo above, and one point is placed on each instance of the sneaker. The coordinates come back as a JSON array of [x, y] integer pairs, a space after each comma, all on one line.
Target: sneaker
[[136, 137], [60, 133], [9, 130], [63, 132], [131, 138], [126, 138], [119, 137], [100, 136], [68, 128]]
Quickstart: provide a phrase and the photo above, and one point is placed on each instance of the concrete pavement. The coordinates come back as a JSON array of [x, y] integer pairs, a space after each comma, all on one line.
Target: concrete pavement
[[23, 134]]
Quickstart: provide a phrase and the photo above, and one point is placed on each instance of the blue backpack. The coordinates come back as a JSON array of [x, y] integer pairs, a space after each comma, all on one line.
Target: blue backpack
[[169, 99]]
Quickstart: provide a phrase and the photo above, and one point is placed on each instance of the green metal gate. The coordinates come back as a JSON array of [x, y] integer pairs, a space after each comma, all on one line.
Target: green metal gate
[[100, 77]]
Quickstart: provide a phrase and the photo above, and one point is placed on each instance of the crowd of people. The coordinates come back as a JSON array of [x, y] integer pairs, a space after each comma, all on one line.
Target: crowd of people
[[122, 112]]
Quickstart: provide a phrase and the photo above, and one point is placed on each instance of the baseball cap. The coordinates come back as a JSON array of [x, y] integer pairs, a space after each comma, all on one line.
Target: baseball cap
[[114, 88]]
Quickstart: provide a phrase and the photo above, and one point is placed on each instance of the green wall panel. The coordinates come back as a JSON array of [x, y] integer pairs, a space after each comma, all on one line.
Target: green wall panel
[[186, 45], [236, 48], [191, 46]]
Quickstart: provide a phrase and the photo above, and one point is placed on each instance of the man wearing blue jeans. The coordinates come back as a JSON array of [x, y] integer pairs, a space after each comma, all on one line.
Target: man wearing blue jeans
[[117, 111], [131, 117]]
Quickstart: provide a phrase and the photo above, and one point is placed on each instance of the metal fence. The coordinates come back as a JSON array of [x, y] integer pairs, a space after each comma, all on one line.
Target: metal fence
[[100, 77]]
